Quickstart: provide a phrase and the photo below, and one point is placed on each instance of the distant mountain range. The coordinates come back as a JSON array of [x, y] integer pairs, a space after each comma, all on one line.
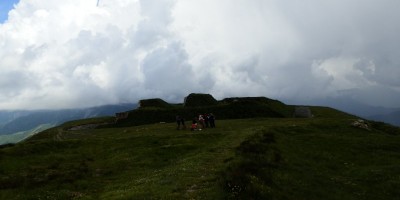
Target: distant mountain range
[[16, 121], [391, 118], [19, 136], [23, 122], [376, 113], [387, 115]]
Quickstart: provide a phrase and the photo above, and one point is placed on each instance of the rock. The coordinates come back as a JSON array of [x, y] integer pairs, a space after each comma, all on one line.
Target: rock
[[359, 123]]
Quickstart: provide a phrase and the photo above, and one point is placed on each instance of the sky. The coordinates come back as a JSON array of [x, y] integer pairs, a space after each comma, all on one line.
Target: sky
[[5, 7], [73, 53]]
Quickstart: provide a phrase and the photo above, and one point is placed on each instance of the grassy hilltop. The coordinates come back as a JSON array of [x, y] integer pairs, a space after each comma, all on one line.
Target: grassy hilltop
[[273, 156]]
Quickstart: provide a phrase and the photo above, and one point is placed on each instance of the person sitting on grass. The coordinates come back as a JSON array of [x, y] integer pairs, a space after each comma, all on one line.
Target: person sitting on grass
[[194, 125]]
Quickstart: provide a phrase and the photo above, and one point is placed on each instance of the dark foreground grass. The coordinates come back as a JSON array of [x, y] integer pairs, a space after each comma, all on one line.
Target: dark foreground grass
[[319, 158], [312, 162]]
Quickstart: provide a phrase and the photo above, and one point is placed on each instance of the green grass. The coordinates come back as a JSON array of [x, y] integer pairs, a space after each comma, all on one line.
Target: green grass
[[261, 158]]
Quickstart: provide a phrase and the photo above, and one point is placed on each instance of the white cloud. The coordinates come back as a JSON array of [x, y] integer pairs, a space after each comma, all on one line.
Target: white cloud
[[60, 54], [346, 73]]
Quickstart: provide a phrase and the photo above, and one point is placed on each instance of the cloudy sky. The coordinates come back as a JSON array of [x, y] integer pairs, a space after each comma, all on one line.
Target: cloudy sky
[[73, 53]]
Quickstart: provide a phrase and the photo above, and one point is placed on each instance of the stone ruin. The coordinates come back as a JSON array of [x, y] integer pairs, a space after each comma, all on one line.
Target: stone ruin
[[121, 116], [198, 100], [153, 103], [302, 112]]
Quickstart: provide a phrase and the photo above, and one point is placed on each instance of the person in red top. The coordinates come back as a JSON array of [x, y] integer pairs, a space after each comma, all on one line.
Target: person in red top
[[194, 125]]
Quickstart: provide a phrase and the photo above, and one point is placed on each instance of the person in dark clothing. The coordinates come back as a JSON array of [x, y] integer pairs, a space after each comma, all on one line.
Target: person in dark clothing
[[206, 120], [183, 123], [178, 122], [211, 119]]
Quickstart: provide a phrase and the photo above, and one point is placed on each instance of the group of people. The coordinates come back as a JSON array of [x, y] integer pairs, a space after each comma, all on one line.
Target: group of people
[[203, 121], [198, 123]]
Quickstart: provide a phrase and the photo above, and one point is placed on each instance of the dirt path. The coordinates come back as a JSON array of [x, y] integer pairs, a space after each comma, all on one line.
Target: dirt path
[[58, 136]]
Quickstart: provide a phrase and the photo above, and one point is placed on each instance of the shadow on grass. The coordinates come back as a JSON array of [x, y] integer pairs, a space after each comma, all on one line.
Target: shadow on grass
[[249, 174]]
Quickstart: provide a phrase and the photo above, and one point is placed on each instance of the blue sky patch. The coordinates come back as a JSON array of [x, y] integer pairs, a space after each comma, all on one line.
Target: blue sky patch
[[5, 7]]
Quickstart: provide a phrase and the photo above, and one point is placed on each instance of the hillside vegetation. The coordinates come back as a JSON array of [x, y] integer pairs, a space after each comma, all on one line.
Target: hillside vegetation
[[275, 157]]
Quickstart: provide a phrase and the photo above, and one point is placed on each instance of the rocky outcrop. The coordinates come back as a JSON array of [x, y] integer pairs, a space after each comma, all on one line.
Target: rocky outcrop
[[359, 123]]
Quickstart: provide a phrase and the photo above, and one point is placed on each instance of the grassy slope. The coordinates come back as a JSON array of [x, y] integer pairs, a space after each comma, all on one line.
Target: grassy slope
[[319, 158]]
